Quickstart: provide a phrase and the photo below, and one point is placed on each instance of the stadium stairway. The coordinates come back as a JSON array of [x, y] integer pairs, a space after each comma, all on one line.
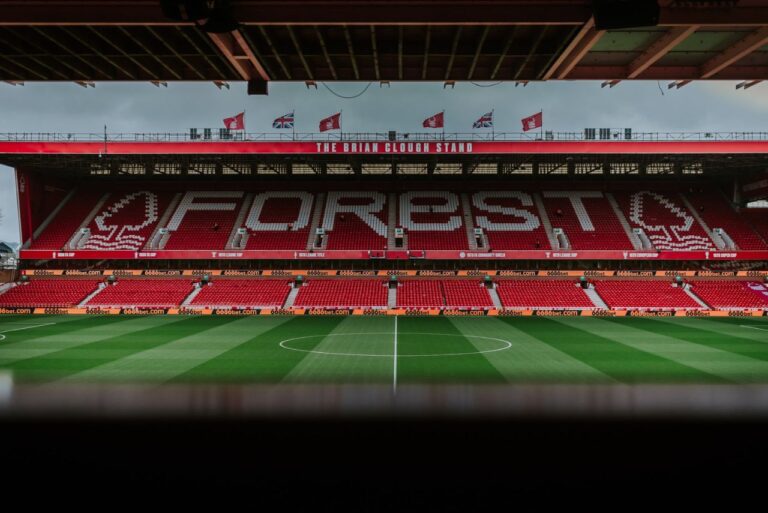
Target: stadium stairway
[[633, 237], [317, 218], [495, 297], [154, 240], [689, 290], [291, 297], [80, 237], [720, 242], [235, 241], [392, 297], [196, 290], [91, 295], [593, 296], [545, 222], [53, 215]]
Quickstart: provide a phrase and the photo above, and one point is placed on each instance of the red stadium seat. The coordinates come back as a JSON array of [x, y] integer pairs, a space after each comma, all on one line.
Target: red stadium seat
[[717, 213], [542, 294], [62, 227], [729, 295], [342, 294], [243, 294], [150, 293], [644, 295], [48, 293]]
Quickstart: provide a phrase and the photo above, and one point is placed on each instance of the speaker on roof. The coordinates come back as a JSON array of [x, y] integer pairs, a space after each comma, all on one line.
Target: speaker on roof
[[259, 87], [214, 16], [621, 14]]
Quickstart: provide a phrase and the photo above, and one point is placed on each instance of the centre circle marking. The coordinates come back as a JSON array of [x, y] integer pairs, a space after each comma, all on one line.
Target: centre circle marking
[[506, 344]]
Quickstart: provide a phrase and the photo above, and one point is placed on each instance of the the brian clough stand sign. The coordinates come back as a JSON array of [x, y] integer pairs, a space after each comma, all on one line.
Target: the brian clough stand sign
[[394, 147]]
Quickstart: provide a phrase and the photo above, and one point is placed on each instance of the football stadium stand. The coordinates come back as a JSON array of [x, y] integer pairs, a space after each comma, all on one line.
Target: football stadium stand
[[342, 294], [466, 294], [732, 295], [149, 293], [644, 295], [714, 209], [665, 220], [48, 293], [500, 220], [243, 294], [420, 294], [543, 295]]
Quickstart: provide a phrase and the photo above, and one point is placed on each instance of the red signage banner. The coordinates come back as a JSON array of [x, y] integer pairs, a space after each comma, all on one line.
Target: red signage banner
[[385, 147], [38, 254]]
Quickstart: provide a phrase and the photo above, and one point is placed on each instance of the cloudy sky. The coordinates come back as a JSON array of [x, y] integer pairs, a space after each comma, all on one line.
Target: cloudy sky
[[567, 106]]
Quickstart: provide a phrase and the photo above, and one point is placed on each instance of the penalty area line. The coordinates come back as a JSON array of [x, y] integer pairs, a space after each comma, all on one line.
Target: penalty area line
[[2, 337], [752, 327]]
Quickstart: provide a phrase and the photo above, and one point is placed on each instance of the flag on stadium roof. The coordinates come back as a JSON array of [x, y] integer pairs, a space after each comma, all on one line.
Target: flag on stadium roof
[[485, 121], [331, 122], [436, 121], [534, 121], [235, 122], [284, 121]]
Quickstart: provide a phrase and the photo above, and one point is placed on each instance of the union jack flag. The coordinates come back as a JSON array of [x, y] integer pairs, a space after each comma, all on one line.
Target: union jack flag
[[285, 121], [485, 121]]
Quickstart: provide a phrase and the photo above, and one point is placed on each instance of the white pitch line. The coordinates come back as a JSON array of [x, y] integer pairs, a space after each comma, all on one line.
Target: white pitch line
[[753, 327], [2, 337], [394, 366]]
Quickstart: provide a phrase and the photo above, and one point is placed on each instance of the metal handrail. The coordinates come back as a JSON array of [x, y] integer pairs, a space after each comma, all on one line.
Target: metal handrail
[[223, 136]]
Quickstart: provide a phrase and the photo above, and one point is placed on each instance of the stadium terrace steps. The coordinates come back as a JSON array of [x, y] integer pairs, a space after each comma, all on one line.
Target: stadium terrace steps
[[291, 299], [432, 220], [633, 238], [665, 220], [592, 294], [48, 293], [546, 222], [644, 295], [687, 289], [495, 297], [718, 212], [234, 236], [392, 297], [245, 293], [61, 228], [53, 215], [156, 240], [192, 295], [145, 293], [732, 295], [317, 218], [543, 295], [343, 293], [91, 295], [719, 241], [80, 238]]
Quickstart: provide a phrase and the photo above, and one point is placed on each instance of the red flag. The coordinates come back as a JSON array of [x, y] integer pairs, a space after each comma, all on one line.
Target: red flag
[[436, 121], [331, 122], [532, 122], [235, 122]]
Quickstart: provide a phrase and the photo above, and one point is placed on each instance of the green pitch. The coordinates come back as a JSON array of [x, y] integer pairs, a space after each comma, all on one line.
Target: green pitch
[[389, 350]]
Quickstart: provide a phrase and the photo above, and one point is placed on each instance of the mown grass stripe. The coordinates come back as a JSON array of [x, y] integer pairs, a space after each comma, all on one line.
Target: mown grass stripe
[[46, 340], [529, 359], [726, 366], [728, 327], [583, 339], [164, 362], [65, 362], [351, 337], [260, 359], [422, 335], [708, 335]]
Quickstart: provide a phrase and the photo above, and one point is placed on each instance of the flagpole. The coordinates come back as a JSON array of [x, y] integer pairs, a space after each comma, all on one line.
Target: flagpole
[[341, 129], [493, 128], [293, 125], [443, 124], [541, 111]]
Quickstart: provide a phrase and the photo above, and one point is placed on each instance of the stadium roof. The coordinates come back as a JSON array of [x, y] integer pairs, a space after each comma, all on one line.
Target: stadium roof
[[241, 154], [442, 40]]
